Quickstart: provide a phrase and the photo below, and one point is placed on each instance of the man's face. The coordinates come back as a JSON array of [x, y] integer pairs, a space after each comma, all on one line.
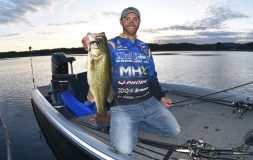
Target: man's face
[[130, 24]]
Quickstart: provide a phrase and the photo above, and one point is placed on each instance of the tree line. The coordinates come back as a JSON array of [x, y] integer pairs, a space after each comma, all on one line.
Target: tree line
[[202, 47], [43, 52], [153, 46]]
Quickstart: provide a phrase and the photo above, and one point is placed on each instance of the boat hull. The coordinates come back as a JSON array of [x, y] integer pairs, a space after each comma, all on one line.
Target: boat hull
[[57, 141]]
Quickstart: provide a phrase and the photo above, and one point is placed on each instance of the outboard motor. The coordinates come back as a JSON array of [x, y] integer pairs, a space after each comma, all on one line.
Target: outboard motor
[[59, 63], [60, 74]]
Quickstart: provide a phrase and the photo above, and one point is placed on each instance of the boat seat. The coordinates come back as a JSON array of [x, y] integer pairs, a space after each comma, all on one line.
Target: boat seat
[[82, 86], [75, 106], [75, 83]]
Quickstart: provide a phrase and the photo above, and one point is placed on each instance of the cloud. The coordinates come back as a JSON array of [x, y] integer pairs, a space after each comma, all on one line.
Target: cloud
[[247, 37], [195, 39], [67, 23], [47, 33], [215, 19], [14, 11], [10, 35], [113, 14], [99, 17], [218, 34], [216, 16], [250, 34], [207, 37], [210, 29], [156, 30]]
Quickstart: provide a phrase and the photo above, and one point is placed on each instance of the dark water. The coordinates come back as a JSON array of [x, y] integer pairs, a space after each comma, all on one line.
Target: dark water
[[220, 70], [15, 109]]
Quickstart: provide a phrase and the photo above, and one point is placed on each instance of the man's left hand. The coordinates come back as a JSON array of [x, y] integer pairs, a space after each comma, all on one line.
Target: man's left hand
[[166, 102]]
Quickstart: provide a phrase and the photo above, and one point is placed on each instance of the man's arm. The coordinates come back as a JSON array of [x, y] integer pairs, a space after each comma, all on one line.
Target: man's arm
[[156, 89]]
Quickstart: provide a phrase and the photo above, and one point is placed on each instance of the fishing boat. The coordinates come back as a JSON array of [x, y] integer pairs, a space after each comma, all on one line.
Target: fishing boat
[[215, 124]]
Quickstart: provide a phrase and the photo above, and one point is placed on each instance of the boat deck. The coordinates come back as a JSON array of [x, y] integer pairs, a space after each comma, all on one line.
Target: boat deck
[[210, 119]]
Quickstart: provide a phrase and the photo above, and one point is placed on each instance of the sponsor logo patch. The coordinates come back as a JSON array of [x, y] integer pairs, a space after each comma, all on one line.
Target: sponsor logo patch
[[125, 90], [123, 82], [131, 71]]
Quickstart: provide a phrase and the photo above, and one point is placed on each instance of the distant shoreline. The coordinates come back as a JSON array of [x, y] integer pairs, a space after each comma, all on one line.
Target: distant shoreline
[[154, 47]]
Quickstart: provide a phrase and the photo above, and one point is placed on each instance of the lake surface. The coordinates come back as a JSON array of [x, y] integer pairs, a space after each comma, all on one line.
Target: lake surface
[[220, 70]]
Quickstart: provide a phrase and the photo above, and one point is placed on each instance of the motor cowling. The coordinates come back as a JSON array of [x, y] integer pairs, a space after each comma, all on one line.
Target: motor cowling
[[59, 63]]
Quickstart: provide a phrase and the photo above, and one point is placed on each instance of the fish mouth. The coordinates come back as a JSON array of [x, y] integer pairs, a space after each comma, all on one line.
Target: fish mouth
[[94, 45], [97, 47]]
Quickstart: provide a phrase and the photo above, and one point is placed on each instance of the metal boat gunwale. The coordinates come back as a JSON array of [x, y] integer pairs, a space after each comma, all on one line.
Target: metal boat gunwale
[[69, 130]]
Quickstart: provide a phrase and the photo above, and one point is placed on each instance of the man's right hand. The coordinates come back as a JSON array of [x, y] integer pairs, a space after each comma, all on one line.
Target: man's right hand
[[85, 42]]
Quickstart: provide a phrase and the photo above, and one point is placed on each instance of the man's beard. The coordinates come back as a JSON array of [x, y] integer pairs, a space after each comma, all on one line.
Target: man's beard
[[130, 31]]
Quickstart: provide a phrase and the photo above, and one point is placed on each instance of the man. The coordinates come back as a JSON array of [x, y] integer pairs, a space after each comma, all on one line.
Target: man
[[139, 101]]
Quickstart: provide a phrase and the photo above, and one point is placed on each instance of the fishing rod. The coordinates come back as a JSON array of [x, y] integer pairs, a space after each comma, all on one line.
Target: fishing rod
[[242, 107], [30, 48], [197, 149], [239, 106], [210, 99], [214, 93]]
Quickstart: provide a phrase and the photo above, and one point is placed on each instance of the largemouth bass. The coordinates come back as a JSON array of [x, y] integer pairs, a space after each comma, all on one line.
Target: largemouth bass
[[99, 73]]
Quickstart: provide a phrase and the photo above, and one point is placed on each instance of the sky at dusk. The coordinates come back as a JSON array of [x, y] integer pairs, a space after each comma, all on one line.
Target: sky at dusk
[[47, 24]]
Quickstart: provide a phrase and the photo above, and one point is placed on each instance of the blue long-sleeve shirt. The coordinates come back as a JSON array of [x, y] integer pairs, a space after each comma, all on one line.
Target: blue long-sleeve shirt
[[134, 78]]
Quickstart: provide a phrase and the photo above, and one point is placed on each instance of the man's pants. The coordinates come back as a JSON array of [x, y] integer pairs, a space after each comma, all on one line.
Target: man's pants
[[125, 120]]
